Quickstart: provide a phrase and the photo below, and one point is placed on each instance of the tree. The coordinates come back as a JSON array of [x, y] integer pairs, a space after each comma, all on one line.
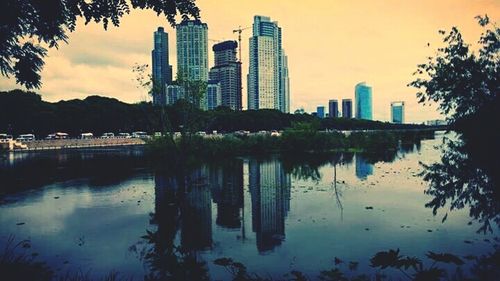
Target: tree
[[26, 26], [462, 81]]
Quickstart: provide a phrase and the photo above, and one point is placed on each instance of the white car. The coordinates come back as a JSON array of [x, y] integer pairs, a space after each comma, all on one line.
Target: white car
[[108, 135], [139, 135], [26, 137]]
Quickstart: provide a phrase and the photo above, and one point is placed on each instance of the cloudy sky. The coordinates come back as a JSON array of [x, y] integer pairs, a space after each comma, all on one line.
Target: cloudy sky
[[331, 46]]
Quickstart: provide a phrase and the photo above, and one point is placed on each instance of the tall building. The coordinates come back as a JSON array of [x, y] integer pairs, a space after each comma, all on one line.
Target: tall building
[[227, 71], [363, 98], [398, 112], [268, 80], [333, 108], [214, 96], [347, 108], [320, 111], [162, 70], [192, 53], [173, 93]]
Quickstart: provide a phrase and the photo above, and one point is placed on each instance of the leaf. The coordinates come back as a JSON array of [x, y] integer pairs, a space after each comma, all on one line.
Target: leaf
[[385, 259], [445, 257]]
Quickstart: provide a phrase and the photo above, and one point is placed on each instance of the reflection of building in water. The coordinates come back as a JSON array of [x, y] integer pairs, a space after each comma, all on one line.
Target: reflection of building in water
[[226, 183], [270, 191], [196, 233], [166, 209], [363, 168]]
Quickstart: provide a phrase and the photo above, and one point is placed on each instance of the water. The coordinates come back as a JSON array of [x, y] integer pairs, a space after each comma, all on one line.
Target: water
[[87, 210]]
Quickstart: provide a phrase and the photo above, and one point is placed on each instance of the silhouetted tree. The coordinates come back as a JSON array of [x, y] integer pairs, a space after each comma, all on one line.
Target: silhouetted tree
[[27, 24]]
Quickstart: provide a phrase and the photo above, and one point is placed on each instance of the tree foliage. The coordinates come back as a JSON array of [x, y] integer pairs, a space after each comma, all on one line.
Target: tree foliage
[[28, 26], [460, 80]]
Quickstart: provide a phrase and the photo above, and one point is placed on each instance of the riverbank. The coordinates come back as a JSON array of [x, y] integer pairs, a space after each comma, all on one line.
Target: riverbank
[[41, 145]]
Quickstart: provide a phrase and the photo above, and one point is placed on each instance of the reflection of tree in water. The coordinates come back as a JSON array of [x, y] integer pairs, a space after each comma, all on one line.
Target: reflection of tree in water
[[460, 182]]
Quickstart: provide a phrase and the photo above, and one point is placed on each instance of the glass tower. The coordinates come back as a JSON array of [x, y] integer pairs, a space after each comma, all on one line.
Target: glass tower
[[320, 111], [333, 109], [347, 108], [162, 70], [192, 53], [268, 80], [363, 96], [398, 112]]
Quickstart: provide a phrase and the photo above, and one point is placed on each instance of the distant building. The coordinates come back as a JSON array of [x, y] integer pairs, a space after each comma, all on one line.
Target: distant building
[[347, 108], [398, 112], [227, 71], [214, 96], [268, 80], [320, 111], [437, 122], [363, 98], [162, 70], [173, 93], [192, 53], [333, 108]]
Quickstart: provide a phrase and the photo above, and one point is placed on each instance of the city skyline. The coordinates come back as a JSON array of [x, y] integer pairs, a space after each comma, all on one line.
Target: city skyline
[[76, 71]]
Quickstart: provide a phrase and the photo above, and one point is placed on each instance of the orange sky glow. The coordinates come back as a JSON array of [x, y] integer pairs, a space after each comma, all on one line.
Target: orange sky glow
[[331, 46]]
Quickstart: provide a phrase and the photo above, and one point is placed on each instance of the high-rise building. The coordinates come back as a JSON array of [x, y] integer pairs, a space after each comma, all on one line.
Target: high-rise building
[[162, 70], [320, 111], [214, 97], [363, 97], [333, 108], [192, 53], [347, 108], [268, 80], [173, 93], [398, 112], [227, 71]]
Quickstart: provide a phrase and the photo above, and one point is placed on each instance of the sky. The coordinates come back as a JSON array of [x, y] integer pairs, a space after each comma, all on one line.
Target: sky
[[331, 45]]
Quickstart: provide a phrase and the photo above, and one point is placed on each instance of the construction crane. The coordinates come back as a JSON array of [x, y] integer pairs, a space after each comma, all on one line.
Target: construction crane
[[239, 31]]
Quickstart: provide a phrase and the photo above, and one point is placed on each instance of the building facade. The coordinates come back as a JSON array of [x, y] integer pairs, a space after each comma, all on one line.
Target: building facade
[[320, 111], [398, 112], [192, 53], [227, 71], [162, 70], [214, 95], [333, 108], [363, 99], [268, 80], [347, 108], [173, 93]]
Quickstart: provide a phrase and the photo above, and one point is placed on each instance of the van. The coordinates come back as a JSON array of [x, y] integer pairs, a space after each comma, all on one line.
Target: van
[[86, 136]]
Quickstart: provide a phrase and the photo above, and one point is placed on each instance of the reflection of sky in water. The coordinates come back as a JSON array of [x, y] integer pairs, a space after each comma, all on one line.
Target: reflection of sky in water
[[276, 224]]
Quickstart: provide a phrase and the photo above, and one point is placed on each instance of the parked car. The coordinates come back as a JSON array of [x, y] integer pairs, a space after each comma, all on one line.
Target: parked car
[[108, 135], [124, 135], [86, 136], [61, 136], [201, 133], [26, 137], [157, 134], [139, 135], [275, 133], [6, 137]]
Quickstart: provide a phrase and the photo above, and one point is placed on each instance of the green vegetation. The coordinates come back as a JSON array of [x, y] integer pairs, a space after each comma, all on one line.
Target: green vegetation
[[25, 112], [300, 137]]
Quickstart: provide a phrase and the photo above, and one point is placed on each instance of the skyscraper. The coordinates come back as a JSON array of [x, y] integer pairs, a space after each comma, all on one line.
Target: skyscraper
[[268, 81], [227, 71], [214, 97], [192, 53], [333, 109], [363, 97], [162, 70], [398, 112], [320, 111], [347, 108]]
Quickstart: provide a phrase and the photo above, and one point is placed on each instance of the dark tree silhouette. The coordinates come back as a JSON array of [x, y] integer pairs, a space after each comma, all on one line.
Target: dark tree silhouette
[[27, 26]]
